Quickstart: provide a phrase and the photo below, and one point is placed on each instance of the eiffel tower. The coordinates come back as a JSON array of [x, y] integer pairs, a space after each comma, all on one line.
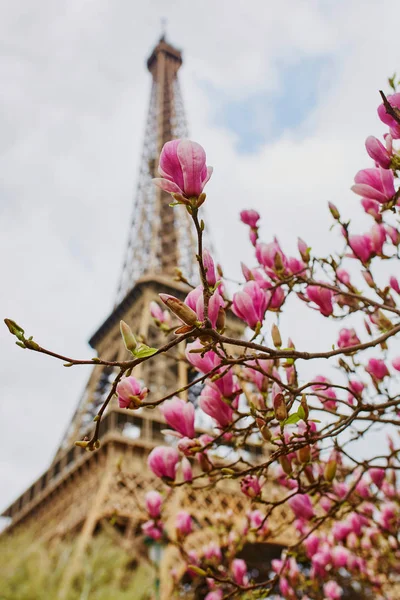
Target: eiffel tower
[[80, 489]]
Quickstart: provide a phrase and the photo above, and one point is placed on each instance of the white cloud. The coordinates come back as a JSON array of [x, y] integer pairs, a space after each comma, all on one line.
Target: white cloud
[[73, 107]]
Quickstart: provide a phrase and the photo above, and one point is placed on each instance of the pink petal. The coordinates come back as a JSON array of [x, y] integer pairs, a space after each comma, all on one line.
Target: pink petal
[[167, 186], [169, 166], [192, 159]]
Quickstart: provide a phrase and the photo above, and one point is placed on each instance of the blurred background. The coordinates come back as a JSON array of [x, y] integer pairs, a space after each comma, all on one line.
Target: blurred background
[[281, 95]]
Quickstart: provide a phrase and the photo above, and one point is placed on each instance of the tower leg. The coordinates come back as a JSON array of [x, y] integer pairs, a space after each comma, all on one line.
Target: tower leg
[[74, 566]]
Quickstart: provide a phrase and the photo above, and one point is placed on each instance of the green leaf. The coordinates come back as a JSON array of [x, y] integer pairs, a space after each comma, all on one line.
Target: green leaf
[[292, 419], [301, 413], [144, 351]]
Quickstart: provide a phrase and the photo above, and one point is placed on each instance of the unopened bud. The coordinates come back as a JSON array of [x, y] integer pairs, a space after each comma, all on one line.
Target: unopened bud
[[368, 279], [304, 454], [334, 211], [304, 406], [14, 329], [285, 464], [204, 462], [266, 433], [276, 336], [279, 403], [330, 470], [180, 309], [220, 324], [308, 472], [264, 430], [127, 335], [367, 327]]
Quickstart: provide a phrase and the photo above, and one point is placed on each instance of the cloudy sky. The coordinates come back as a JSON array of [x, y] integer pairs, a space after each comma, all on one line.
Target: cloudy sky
[[281, 95]]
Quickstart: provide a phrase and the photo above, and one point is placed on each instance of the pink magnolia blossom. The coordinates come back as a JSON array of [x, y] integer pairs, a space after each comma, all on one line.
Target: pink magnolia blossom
[[195, 301], [396, 363], [295, 266], [356, 387], [153, 530], [179, 415], [347, 338], [130, 392], [183, 168], [377, 476], [378, 152], [215, 595], [186, 470], [212, 404], [303, 249], [394, 234], [311, 544], [322, 297], [372, 207], [340, 530], [332, 590], [189, 447], [183, 523], [251, 486], [275, 298], [160, 316], [257, 521], [209, 267], [361, 246], [394, 100], [249, 304], [377, 369], [340, 556], [377, 236], [271, 256], [343, 276], [394, 284], [250, 217], [212, 552], [163, 461], [226, 384], [258, 377], [202, 361], [377, 184], [239, 570], [302, 507], [153, 501]]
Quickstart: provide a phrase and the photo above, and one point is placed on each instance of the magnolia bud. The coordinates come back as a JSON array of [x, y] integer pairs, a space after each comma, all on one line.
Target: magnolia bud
[[183, 312], [278, 401], [264, 429], [276, 336], [304, 406], [330, 470], [368, 278], [220, 324], [285, 464], [204, 462], [304, 454], [334, 211], [128, 337]]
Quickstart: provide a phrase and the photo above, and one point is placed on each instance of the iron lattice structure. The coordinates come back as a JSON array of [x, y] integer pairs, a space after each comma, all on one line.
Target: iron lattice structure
[[159, 239], [81, 490]]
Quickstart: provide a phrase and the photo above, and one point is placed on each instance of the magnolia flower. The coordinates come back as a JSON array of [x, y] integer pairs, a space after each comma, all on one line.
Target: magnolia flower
[[163, 461], [183, 168], [249, 304], [180, 416], [153, 501], [130, 392], [377, 184]]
